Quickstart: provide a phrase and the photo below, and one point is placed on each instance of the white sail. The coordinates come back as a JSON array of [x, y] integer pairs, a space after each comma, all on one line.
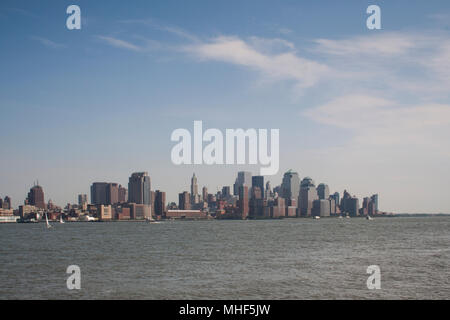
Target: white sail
[[61, 219], [46, 221]]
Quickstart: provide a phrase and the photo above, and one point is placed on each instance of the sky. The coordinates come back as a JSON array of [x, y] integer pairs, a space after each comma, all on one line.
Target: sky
[[363, 110]]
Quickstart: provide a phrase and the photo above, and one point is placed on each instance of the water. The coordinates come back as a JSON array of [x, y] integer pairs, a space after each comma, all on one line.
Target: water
[[272, 259]]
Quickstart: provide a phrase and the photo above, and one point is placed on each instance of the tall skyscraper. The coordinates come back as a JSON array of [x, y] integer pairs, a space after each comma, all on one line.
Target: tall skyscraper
[[243, 201], [268, 192], [290, 186], [160, 203], [226, 192], [205, 194], [123, 194], [104, 193], [375, 202], [112, 193], [323, 191], [244, 178], [335, 196], [308, 193], [139, 188], [98, 193], [36, 197], [184, 201], [258, 181], [194, 189], [82, 199], [5, 204]]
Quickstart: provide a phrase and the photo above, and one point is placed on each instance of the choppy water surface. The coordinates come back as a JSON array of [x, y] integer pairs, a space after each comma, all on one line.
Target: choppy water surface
[[272, 259]]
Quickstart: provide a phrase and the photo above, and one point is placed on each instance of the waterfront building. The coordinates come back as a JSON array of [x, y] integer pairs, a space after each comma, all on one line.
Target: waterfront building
[[194, 190], [268, 193], [205, 194], [139, 211], [122, 194], [321, 208], [186, 214], [308, 193], [82, 199], [6, 203], [258, 181], [139, 187], [243, 201], [244, 178], [184, 201], [375, 202], [104, 212], [277, 208], [36, 197], [98, 192], [323, 191], [160, 203], [290, 186], [112, 193]]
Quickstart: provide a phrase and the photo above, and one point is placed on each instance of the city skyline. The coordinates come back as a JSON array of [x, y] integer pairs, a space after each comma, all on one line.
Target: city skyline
[[357, 108]]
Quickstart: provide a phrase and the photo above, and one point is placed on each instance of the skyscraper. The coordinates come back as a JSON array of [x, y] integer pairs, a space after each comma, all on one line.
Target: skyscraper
[[205, 194], [323, 191], [184, 201], [36, 197], [226, 192], [5, 204], [290, 186], [82, 199], [104, 193], [375, 202], [308, 193], [244, 178], [268, 192], [98, 192], [123, 194], [258, 181], [112, 193], [243, 201], [194, 189], [139, 188], [160, 203]]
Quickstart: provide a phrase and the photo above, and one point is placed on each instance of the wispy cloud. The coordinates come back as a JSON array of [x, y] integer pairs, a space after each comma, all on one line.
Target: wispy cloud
[[281, 66], [23, 12], [383, 44], [118, 43], [163, 27], [48, 43]]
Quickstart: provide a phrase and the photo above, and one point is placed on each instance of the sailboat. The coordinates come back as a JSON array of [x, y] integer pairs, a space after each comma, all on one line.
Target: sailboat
[[61, 219], [46, 222]]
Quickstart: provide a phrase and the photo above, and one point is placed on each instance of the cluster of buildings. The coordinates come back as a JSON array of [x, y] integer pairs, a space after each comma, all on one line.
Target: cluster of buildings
[[249, 198]]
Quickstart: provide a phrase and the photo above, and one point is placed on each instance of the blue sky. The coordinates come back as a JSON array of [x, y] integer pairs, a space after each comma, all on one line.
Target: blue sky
[[365, 110]]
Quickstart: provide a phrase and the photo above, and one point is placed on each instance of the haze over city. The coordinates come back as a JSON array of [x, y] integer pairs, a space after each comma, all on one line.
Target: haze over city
[[357, 109]]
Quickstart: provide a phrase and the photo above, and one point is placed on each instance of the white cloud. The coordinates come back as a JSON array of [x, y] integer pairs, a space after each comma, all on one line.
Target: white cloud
[[118, 43], [281, 66], [48, 43], [382, 44]]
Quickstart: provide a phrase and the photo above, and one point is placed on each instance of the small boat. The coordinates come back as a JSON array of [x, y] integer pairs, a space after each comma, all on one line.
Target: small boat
[[340, 217], [317, 217], [369, 217], [61, 219], [151, 220], [48, 225], [347, 216]]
